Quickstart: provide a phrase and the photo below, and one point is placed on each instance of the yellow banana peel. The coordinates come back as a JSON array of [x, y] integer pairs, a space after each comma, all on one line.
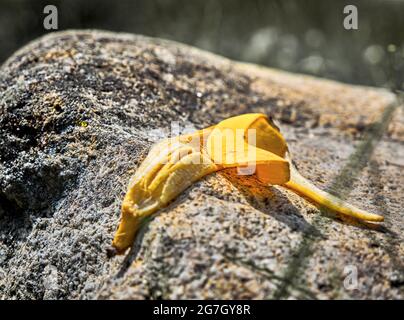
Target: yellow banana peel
[[250, 142]]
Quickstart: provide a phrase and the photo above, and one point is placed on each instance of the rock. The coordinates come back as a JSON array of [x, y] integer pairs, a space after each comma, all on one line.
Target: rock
[[80, 109]]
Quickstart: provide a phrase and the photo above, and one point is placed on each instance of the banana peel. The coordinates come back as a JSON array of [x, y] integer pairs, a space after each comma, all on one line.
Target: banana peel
[[251, 142]]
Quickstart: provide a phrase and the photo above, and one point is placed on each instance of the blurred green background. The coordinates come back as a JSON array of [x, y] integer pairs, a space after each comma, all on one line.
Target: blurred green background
[[305, 36]]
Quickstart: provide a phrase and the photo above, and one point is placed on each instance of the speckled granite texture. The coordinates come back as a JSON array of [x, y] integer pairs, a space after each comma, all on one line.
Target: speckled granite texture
[[80, 109]]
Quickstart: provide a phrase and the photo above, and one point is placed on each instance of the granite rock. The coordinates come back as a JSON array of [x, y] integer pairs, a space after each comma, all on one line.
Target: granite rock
[[79, 110]]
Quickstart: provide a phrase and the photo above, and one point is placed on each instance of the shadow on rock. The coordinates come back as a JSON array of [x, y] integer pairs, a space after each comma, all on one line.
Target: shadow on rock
[[270, 201]]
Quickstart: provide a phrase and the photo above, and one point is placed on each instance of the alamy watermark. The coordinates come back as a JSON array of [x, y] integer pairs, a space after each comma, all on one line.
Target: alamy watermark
[[351, 19], [224, 146], [351, 277], [51, 20]]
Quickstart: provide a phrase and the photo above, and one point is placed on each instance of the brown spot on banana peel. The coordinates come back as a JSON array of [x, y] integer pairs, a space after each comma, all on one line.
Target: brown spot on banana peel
[[174, 164]]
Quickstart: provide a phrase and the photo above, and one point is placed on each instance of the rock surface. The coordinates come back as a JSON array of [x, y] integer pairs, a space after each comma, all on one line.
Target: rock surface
[[79, 110]]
